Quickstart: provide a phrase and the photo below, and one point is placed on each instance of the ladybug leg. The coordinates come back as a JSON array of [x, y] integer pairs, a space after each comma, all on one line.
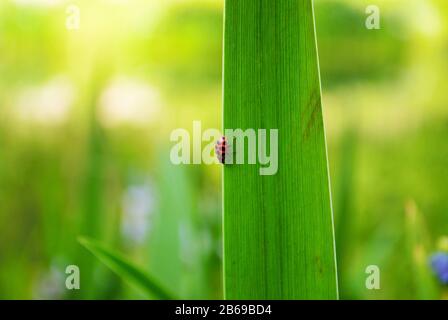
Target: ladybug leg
[[220, 152]]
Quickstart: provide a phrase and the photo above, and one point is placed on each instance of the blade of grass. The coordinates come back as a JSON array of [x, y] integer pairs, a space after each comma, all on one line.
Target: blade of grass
[[125, 269], [417, 243], [278, 230], [175, 252], [91, 201]]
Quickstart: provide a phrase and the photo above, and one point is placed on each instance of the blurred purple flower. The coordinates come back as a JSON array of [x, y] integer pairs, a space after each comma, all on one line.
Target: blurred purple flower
[[439, 264], [50, 284], [138, 205]]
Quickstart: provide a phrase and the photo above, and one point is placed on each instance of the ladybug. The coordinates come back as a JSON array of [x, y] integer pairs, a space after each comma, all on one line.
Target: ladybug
[[221, 149]]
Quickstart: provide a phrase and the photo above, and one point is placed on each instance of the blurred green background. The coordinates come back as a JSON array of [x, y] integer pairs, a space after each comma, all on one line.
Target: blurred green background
[[85, 119]]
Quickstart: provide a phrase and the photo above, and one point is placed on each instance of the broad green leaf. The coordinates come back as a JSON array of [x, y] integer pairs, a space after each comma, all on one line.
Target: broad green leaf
[[125, 269], [278, 229]]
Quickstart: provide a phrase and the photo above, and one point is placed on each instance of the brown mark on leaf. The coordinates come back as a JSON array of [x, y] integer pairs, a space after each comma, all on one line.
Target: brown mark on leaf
[[313, 109], [319, 265]]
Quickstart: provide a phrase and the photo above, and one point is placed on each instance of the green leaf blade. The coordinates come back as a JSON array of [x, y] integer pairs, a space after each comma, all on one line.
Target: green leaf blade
[[278, 230], [125, 269]]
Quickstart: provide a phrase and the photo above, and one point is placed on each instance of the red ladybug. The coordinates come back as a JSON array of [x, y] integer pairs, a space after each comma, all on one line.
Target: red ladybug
[[221, 149]]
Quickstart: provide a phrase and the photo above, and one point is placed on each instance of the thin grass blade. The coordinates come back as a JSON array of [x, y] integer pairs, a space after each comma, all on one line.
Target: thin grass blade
[[126, 269]]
